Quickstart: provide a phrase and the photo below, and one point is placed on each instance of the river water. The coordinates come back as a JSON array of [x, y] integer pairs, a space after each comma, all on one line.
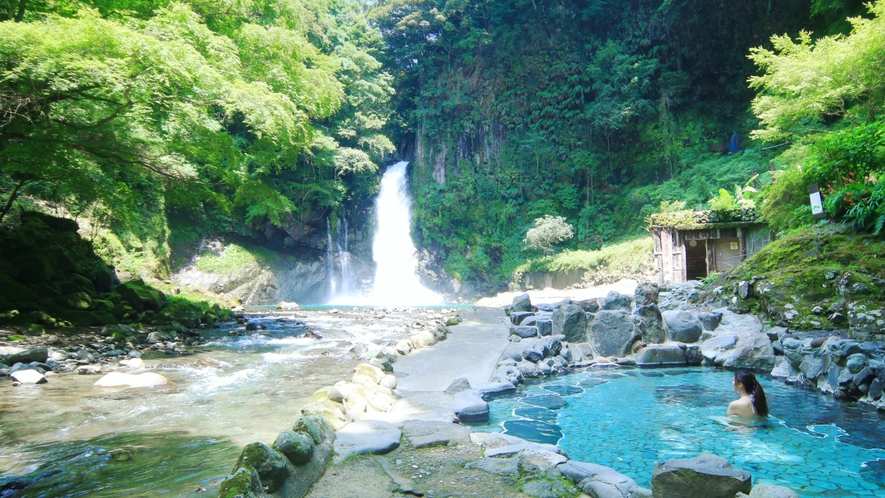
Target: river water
[[181, 440]]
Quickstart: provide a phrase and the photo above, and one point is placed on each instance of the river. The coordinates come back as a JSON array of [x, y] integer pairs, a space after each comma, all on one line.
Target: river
[[180, 441]]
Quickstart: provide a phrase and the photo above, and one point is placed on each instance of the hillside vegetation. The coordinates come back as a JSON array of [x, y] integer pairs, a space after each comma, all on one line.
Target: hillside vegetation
[[158, 123]]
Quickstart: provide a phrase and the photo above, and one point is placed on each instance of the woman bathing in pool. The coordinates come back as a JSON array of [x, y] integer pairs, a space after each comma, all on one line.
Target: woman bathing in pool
[[752, 401]]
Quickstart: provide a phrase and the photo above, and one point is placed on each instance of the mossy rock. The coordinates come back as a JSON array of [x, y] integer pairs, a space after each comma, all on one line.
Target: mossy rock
[[141, 296], [317, 427], [185, 312], [103, 305], [272, 467], [244, 483], [82, 318], [296, 446], [32, 329], [14, 292], [77, 301]]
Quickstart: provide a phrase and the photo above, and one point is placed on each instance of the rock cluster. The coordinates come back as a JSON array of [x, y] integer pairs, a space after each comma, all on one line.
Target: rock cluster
[[289, 468], [549, 338]]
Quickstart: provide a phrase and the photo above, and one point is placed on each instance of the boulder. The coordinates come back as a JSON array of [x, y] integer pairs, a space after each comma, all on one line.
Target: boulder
[[140, 296], [523, 331], [683, 326], [772, 491], [705, 476], [288, 306], [570, 321], [425, 434], [599, 481], [660, 356], [297, 447], [588, 305], [614, 300], [120, 379], [650, 323], [517, 317], [750, 351], [646, 293], [366, 437], [28, 376], [40, 355], [710, 320], [611, 333], [542, 322], [458, 385], [469, 406], [522, 302]]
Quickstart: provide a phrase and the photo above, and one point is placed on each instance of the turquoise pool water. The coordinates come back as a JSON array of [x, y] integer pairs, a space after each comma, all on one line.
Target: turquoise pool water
[[629, 419]]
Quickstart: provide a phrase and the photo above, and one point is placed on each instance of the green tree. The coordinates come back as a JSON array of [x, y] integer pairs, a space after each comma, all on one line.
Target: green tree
[[548, 230]]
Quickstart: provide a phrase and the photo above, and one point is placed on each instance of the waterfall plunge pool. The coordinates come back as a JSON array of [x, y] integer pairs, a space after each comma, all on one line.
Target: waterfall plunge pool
[[629, 419]]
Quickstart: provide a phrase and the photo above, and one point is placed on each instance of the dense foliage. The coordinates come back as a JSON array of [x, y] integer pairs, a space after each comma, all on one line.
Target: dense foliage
[[594, 111], [261, 117], [220, 114]]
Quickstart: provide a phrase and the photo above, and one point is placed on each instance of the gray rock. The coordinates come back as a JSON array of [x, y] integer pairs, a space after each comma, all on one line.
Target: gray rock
[[660, 356], [458, 385], [469, 406], [539, 487], [694, 355], [865, 376], [683, 326], [875, 391], [528, 369], [297, 447], [425, 434], [705, 476], [533, 355], [750, 351], [856, 362], [543, 323], [744, 289], [496, 388], [812, 366], [28, 376], [598, 481], [40, 355], [508, 467], [588, 305], [772, 491], [782, 368], [570, 321], [522, 302], [366, 437], [710, 319], [646, 293], [611, 333], [516, 317], [89, 369], [614, 300], [524, 332], [651, 323]]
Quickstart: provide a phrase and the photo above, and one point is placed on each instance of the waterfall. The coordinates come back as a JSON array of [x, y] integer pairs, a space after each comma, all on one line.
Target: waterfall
[[396, 282], [330, 262], [348, 282]]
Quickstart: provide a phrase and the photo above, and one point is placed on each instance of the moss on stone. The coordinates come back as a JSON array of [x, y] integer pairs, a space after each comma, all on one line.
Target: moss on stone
[[242, 484], [800, 279]]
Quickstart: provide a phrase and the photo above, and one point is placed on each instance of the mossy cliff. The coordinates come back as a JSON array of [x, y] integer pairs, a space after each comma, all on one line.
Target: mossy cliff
[[51, 277], [828, 277]]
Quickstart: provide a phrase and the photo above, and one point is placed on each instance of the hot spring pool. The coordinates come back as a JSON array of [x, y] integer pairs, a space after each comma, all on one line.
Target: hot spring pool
[[629, 419]]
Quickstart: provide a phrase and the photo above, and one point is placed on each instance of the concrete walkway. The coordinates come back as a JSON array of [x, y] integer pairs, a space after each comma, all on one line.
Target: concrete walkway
[[470, 351]]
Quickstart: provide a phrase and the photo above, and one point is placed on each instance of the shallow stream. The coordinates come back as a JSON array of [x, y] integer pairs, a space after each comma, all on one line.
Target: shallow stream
[[178, 441]]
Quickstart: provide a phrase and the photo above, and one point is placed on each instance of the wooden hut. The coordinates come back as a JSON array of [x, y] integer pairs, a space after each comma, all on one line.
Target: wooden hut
[[693, 244]]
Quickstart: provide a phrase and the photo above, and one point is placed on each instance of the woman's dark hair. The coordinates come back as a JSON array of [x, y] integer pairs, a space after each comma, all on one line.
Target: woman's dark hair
[[754, 389]]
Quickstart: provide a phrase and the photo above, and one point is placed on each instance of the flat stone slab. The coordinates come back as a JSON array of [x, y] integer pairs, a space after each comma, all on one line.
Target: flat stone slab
[[469, 406], [120, 379], [424, 434], [29, 376], [508, 467], [366, 437]]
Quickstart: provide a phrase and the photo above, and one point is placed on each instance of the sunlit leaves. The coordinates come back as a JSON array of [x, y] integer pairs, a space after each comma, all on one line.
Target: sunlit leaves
[[806, 81]]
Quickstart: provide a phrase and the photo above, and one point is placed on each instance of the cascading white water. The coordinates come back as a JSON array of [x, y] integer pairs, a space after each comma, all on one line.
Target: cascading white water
[[396, 283], [330, 262]]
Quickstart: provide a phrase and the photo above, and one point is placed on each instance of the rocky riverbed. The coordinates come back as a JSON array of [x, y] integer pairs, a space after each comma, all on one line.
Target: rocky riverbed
[[228, 386]]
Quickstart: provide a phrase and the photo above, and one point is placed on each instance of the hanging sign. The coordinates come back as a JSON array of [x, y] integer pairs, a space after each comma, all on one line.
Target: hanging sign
[[817, 202]]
